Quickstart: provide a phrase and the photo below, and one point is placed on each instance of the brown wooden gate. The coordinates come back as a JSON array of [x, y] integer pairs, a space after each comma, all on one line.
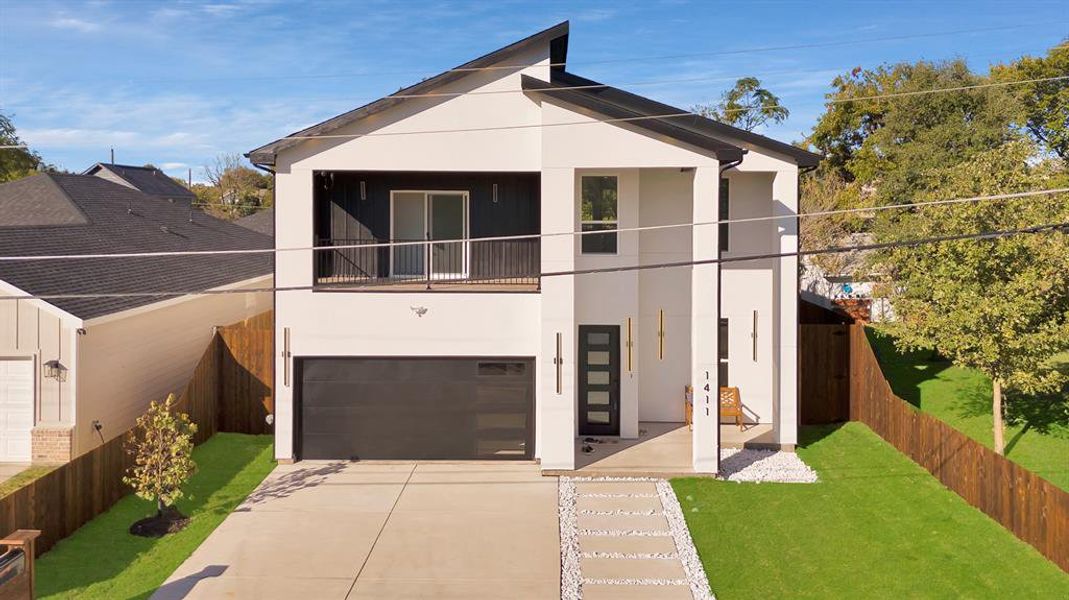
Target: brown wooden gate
[[823, 374]]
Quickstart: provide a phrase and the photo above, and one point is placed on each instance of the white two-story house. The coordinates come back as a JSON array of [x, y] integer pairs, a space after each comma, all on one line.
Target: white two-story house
[[508, 257]]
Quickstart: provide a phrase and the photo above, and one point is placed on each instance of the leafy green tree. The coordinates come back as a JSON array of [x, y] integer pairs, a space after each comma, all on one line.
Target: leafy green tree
[[1000, 306], [747, 106], [886, 144], [1044, 105], [237, 190], [162, 447], [15, 163]]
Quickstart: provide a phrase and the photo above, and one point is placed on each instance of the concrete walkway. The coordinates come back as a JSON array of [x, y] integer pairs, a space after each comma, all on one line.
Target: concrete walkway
[[626, 538], [358, 530]]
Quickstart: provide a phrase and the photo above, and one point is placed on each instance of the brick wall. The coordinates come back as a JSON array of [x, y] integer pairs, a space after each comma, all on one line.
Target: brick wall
[[51, 444]]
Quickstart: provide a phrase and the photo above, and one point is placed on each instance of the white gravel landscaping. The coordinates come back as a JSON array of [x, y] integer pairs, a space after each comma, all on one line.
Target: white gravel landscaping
[[688, 554], [759, 466], [572, 580]]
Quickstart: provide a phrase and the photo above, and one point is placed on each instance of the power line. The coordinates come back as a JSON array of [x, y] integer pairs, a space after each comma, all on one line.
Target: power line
[[983, 235], [628, 119], [650, 82], [638, 59], [156, 254]]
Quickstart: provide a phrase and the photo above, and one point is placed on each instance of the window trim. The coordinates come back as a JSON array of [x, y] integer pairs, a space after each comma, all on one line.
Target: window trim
[[615, 223]]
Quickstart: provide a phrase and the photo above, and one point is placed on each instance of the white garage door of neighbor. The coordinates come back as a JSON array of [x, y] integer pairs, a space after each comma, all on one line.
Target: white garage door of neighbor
[[16, 409]]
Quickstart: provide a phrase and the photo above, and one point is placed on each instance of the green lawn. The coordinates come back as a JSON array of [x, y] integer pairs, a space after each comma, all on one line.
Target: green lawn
[[875, 526], [1037, 435], [23, 477], [102, 560]]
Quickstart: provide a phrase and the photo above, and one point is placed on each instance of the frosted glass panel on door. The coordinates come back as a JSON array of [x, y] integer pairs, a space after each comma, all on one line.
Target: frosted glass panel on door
[[409, 225], [597, 377], [596, 357], [601, 398], [597, 339], [597, 416]]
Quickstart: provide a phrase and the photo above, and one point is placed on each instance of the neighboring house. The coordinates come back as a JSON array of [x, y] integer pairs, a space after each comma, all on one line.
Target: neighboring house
[[148, 180], [93, 357], [851, 286], [261, 221], [469, 349]]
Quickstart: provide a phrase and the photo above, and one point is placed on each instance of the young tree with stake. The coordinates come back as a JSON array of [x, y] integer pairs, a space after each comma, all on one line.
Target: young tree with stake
[[162, 446]]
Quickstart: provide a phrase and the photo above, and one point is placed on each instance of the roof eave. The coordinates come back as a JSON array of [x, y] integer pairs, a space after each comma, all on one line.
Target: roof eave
[[265, 155], [724, 151]]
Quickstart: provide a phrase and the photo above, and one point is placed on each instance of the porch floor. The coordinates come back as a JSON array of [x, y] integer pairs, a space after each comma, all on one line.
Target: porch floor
[[661, 450]]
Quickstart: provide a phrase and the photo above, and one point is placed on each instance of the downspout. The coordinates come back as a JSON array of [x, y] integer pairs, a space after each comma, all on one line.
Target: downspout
[[720, 305]]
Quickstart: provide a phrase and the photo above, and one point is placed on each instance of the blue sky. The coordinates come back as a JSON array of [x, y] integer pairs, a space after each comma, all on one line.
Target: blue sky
[[177, 83]]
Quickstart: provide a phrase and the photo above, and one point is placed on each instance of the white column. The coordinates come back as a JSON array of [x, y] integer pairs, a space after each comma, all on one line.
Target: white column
[[294, 191], [704, 322], [785, 203], [556, 405]]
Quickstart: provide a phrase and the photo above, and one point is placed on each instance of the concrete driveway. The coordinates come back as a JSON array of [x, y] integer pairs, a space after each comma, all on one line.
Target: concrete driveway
[[359, 530]]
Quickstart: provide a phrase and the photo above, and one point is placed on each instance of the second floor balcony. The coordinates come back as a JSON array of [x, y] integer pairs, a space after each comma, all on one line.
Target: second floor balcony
[[417, 231], [414, 265]]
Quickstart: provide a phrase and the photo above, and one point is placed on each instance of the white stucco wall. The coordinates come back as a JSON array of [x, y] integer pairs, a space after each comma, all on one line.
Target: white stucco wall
[[659, 180]]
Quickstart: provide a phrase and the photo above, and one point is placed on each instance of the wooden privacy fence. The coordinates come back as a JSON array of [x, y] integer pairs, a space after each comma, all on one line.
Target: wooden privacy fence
[[230, 390], [1034, 509]]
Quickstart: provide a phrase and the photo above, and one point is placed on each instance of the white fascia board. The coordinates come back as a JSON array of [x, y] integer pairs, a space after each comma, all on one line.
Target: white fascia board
[[173, 301], [16, 292]]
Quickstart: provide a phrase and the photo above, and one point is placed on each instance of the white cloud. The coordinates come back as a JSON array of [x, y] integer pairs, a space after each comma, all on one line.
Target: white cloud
[[173, 166], [74, 24]]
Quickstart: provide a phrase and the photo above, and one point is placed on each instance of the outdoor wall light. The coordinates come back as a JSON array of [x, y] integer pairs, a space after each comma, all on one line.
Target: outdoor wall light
[[54, 370]]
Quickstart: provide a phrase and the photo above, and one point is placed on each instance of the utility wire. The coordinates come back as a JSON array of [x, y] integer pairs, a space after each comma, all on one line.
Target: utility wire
[[984, 235], [639, 59], [625, 119], [989, 198]]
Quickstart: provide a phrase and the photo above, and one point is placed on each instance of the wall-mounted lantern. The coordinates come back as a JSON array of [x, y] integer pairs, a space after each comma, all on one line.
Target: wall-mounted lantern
[[55, 370]]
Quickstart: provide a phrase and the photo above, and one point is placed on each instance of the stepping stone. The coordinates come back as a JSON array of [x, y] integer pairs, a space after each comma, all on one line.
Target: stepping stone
[[616, 487], [633, 568], [631, 504], [636, 592], [623, 522], [627, 545]]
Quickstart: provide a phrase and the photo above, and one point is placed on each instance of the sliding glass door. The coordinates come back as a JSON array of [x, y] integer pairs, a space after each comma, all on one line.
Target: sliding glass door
[[429, 215]]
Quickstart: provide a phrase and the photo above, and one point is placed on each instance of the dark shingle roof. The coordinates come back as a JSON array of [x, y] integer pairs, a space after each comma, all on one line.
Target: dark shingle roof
[[118, 220], [262, 221], [149, 180], [50, 206]]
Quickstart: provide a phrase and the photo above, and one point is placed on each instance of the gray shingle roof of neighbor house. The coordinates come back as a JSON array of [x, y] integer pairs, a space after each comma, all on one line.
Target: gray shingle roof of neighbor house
[[726, 142], [148, 180], [261, 221], [90, 215]]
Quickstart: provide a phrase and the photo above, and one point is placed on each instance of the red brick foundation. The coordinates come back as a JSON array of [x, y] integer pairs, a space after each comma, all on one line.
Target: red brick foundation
[[51, 444]]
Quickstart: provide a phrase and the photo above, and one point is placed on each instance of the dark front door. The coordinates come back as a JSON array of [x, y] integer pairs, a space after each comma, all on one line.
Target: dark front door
[[416, 408], [599, 380]]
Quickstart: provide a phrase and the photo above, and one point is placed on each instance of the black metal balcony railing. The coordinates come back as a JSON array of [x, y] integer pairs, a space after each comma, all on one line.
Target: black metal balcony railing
[[429, 263]]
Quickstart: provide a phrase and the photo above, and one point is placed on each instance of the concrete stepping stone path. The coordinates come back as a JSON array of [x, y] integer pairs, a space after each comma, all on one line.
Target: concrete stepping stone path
[[626, 538]]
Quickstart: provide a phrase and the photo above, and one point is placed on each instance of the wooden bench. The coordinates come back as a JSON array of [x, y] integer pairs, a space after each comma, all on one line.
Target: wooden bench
[[731, 405], [16, 565]]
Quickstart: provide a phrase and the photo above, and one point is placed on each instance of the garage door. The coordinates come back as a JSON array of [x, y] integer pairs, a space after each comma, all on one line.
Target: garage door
[[16, 409], [416, 408]]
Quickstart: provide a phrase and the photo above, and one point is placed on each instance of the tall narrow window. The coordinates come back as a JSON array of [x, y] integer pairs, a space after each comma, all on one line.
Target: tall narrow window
[[599, 213], [724, 213], [722, 354]]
